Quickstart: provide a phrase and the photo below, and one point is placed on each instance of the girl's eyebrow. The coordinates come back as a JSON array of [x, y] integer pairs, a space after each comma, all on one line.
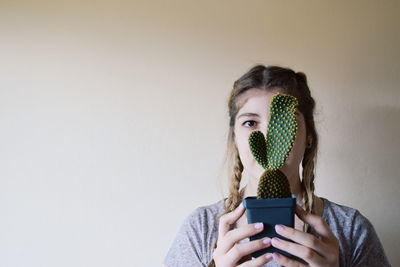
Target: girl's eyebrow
[[248, 115]]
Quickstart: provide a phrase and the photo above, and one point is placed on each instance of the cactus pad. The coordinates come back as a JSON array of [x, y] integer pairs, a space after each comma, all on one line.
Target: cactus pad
[[273, 184], [282, 129], [258, 148], [272, 153]]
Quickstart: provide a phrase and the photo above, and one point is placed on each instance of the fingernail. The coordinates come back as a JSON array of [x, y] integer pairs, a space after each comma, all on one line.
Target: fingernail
[[267, 241], [259, 226], [279, 227], [275, 241], [268, 256], [241, 205]]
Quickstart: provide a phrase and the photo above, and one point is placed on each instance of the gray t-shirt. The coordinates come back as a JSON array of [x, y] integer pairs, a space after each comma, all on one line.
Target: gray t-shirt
[[359, 244]]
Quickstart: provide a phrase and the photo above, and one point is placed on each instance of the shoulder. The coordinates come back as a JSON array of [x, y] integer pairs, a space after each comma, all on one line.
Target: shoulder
[[337, 211], [344, 218], [341, 220], [358, 241], [193, 244], [205, 217]]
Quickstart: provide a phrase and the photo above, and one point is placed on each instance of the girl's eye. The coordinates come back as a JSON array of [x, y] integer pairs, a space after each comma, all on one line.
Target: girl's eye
[[249, 123]]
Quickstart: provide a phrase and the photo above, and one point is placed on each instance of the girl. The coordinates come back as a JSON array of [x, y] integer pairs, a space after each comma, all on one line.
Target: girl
[[325, 233]]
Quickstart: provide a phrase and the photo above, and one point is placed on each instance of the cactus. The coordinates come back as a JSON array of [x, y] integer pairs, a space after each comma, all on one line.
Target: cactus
[[272, 152]]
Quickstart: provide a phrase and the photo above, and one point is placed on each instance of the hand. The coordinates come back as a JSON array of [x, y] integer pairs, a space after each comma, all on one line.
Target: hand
[[228, 253], [323, 251]]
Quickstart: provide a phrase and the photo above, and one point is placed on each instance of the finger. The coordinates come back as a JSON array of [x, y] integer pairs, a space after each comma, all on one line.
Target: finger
[[305, 253], [228, 219], [302, 238], [285, 261], [235, 235], [240, 250], [257, 262], [316, 222]]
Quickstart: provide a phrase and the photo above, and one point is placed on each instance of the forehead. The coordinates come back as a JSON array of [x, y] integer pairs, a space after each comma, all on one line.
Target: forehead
[[255, 99]]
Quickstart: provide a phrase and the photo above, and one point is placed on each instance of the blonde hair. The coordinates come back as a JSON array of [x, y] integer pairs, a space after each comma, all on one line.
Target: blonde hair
[[268, 78]]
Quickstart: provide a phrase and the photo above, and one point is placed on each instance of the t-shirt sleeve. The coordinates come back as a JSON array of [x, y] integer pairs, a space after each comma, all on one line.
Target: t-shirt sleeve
[[187, 249], [367, 248]]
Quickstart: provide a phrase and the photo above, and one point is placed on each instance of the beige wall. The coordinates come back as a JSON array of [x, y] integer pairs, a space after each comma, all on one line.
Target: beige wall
[[113, 116]]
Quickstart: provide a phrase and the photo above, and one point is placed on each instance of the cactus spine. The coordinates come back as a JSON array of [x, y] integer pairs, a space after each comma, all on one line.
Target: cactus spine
[[272, 152]]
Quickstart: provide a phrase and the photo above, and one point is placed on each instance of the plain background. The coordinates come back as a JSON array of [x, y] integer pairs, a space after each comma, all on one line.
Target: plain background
[[113, 116]]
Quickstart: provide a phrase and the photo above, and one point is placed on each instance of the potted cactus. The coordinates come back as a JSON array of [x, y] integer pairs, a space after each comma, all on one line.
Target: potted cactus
[[274, 203]]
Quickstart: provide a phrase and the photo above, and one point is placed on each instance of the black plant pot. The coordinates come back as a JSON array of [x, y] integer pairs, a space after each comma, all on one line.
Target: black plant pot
[[271, 212]]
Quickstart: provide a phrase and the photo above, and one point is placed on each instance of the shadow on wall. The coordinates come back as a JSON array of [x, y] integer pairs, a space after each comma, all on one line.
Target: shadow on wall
[[378, 142], [380, 128]]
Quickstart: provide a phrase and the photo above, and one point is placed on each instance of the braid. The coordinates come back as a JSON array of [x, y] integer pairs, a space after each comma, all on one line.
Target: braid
[[308, 181], [309, 157], [235, 196]]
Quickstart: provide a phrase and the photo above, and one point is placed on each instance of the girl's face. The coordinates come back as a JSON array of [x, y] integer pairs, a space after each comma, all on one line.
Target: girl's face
[[254, 116]]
